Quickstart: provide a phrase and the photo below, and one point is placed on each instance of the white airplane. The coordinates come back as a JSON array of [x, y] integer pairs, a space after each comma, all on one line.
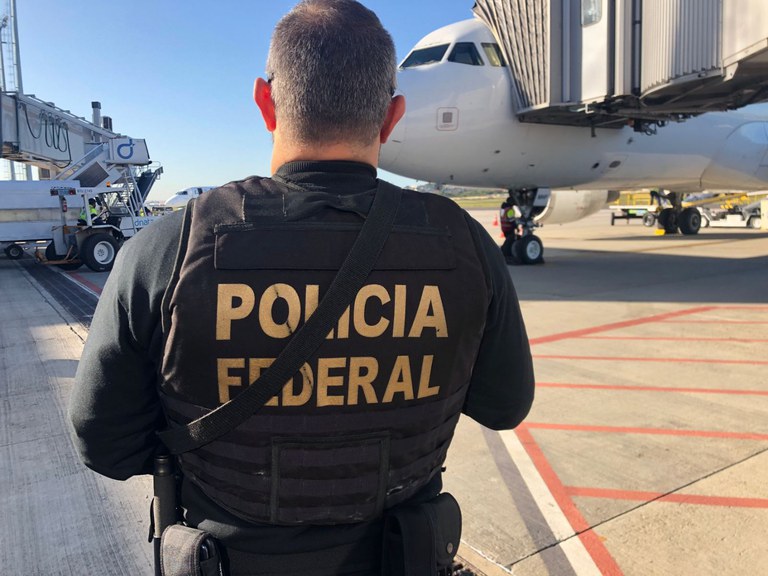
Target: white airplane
[[180, 198], [460, 128]]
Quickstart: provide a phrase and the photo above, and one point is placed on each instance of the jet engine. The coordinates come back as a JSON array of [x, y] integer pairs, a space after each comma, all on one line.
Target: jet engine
[[562, 206]]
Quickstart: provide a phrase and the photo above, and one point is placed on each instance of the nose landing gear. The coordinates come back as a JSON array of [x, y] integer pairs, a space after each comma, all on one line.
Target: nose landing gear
[[521, 245]]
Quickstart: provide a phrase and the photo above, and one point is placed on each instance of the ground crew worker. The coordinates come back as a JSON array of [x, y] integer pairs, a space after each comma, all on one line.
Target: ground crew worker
[[508, 220], [200, 303], [511, 228], [83, 217]]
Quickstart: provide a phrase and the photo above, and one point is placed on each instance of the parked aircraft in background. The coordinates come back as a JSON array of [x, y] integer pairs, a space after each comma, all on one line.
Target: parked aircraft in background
[[180, 198], [460, 128]]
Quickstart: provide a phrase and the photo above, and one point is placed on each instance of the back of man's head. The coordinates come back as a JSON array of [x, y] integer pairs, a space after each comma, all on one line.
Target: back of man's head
[[332, 69]]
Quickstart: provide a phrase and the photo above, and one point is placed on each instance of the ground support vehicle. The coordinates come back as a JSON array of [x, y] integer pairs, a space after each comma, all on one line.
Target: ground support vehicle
[[647, 213], [637, 205], [76, 160], [748, 216], [28, 214], [95, 240]]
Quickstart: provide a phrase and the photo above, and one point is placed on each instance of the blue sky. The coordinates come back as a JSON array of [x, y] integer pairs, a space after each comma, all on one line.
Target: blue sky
[[180, 73]]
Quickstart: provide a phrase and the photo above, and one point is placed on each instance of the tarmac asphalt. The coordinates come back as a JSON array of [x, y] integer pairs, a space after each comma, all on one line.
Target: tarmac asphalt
[[646, 451]]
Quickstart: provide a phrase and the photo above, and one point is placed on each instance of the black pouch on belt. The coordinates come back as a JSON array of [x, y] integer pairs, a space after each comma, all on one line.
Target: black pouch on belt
[[186, 551], [421, 539]]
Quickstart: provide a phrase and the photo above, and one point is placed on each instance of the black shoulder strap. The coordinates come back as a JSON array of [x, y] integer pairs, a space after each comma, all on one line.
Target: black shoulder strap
[[348, 281]]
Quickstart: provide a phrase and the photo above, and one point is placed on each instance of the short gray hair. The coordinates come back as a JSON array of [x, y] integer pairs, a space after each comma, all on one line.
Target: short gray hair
[[333, 72]]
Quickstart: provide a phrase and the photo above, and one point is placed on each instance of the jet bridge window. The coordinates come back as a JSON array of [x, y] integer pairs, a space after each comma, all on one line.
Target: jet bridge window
[[493, 53], [424, 56], [591, 12], [465, 53]]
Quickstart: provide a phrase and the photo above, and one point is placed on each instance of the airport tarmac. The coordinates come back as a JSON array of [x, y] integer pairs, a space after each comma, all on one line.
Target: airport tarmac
[[645, 453]]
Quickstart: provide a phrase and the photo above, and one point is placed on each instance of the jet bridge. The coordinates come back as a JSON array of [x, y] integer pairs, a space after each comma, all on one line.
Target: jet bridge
[[78, 154], [67, 147], [610, 62]]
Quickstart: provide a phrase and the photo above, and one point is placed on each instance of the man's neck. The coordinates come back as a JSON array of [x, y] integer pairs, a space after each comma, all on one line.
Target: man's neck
[[283, 153]]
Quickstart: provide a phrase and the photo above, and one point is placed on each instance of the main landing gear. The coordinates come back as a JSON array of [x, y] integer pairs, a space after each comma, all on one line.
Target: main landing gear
[[678, 219], [521, 245]]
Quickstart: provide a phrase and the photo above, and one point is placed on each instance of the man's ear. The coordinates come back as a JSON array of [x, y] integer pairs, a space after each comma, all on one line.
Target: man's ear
[[394, 114], [262, 95]]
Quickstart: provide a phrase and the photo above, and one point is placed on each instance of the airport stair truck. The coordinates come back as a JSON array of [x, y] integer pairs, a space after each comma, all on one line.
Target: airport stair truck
[[78, 160], [610, 64]]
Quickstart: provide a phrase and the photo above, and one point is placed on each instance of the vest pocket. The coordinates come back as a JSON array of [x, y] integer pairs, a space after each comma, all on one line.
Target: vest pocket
[[329, 480]]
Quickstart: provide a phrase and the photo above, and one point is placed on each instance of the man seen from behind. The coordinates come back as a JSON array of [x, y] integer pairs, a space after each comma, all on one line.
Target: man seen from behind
[[199, 305]]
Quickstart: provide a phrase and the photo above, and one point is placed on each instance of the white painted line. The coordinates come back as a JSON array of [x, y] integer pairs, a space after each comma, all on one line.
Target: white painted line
[[572, 546], [480, 561], [579, 558]]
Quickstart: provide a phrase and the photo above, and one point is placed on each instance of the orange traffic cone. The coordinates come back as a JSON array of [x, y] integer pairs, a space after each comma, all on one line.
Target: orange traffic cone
[[495, 220]]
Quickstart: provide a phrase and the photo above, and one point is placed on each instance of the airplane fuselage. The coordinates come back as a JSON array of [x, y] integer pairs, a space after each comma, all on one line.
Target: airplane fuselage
[[460, 128]]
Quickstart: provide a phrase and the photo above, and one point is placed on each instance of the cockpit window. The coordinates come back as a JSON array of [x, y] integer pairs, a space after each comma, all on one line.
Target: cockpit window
[[424, 56], [181, 193], [465, 53], [493, 53]]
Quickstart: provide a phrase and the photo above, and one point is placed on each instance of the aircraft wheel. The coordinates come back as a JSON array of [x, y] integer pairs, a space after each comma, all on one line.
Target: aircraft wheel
[[50, 254], [663, 217], [690, 221], [14, 251], [668, 220], [99, 251], [755, 222], [529, 250], [649, 219]]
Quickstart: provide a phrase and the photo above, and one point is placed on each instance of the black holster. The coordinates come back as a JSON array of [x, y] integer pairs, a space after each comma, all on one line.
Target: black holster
[[179, 550], [186, 551], [421, 539]]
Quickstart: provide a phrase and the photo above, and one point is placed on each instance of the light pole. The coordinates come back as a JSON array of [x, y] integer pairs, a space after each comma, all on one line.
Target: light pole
[[3, 25]]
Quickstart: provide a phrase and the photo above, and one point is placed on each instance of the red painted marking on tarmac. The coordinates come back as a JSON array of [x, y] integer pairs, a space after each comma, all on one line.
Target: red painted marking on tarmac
[[657, 431], [594, 546], [733, 502], [652, 359], [633, 388], [85, 282], [715, 321], [619, 325], [730, 502], [681, 339]]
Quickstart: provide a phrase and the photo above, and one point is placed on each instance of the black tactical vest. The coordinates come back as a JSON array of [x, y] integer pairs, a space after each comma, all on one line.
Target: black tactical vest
[[368, 420]]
